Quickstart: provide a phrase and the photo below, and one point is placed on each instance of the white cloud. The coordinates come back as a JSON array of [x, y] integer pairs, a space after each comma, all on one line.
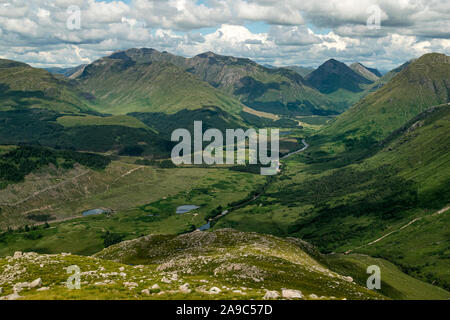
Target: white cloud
[[35, 31]]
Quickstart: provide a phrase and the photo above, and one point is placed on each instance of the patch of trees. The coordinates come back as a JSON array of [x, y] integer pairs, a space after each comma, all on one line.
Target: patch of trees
[[110, 238], [16, 164]]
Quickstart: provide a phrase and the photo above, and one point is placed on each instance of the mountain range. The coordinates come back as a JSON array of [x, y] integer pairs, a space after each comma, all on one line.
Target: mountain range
[[84, 168]]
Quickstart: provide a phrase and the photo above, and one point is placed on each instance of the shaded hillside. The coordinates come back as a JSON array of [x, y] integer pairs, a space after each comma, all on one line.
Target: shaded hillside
[[41, 127], [334, 75]]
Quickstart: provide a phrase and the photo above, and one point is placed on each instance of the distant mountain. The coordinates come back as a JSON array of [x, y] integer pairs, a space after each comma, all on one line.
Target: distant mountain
[[334, 75], [22, 86], [303, 71], [142, 81], [368, 73], [33, 102], [67, 72], [338, 83], [278, 90], [419, 85]]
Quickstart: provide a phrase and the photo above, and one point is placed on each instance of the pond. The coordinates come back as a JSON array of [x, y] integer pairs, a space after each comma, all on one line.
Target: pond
[[186, 208], [205, 226], [93, 212]]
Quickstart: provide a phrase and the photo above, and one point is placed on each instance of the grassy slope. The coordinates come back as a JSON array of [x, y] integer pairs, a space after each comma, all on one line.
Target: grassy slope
[[143, 201], [23, 86], [422, 84], [88, 120], [394, 283], [363, 71], [122, 85]]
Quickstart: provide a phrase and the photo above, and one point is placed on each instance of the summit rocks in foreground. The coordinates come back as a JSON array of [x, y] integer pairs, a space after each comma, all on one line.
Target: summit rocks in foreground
[[225, 264]]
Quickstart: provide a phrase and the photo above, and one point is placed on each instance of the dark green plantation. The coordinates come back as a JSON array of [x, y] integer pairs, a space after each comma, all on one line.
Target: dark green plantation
[[39, 127], [18, 163]]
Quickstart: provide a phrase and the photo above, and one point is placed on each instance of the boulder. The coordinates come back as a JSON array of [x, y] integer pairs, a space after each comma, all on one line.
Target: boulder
[[348, 278], [35, 284], [13, 296], [185, 288], [165, 280], [271, 295], [215, 290], [43, 289], [291, 294]]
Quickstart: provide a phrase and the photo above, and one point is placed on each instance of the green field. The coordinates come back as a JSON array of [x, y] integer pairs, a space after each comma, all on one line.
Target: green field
[[88, 120], [134, 205]]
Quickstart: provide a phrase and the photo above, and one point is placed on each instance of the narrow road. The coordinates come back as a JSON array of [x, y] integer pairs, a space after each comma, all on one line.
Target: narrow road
[[401, 228], [44, 190]]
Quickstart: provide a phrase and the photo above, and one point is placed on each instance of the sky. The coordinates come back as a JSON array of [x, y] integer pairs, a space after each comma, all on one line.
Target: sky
[[377, 33]]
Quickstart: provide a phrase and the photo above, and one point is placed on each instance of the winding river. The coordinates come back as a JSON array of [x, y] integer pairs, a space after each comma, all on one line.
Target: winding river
[[256, 196]]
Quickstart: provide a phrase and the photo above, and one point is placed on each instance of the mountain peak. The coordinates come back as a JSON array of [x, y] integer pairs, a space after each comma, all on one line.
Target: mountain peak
[[334, 75]]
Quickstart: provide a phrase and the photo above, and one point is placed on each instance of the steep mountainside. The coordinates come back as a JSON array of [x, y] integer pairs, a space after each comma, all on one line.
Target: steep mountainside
[[280, 91], [421, 84], [386, 78], [368, 73], [121, 84], [22, 87]]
